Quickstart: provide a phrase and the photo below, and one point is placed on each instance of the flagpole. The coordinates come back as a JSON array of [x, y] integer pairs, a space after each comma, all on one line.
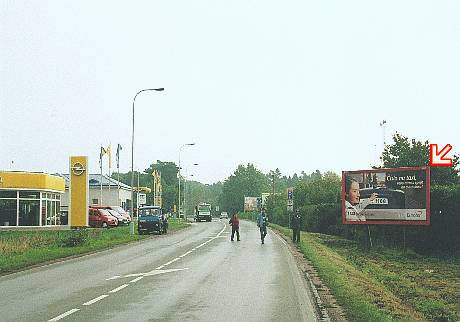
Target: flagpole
[[110, 166], [100, 163], [118, 174], [118, 185]]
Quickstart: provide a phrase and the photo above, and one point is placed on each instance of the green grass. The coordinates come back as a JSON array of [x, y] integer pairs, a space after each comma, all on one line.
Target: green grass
[[21, 249], [384, 284]]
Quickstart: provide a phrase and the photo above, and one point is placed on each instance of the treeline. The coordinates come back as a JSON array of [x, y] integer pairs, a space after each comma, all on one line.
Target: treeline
[[318, 199], [192, 192]]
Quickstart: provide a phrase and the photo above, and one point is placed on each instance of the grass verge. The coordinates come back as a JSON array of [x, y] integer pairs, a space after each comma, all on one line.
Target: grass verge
[[21, 249], [384, 284]]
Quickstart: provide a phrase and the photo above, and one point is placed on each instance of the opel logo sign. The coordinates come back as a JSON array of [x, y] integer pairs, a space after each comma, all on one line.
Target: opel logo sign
[[78, 169]]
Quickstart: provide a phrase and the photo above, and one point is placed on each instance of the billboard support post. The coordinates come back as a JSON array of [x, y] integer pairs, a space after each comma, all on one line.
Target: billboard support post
[[369, 234], [404, 239]]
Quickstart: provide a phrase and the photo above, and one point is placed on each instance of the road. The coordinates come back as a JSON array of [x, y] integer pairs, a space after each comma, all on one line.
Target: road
[[196, 274]]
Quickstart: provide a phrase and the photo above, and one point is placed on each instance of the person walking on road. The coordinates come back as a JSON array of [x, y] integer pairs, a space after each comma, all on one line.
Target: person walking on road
[[164, 221], [295, 225], [235, 223], [262, 223]]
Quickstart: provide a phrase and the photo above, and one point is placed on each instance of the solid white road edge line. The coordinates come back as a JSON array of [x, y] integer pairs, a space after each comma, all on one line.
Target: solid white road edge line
[[118, 288], [95, 300], [63, 315]]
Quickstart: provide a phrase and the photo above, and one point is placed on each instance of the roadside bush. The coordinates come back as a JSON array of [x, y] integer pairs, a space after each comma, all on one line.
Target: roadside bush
[[77, 238]]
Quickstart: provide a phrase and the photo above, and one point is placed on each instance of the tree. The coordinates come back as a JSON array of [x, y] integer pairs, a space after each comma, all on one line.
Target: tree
[[246, 181], [169, 181], [412, 153], [321, 189]]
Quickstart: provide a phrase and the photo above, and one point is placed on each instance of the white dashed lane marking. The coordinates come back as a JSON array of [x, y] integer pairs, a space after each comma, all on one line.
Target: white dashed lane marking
[[136, 279], [155, 272], [118, 288], [95, 300], [63, 315]]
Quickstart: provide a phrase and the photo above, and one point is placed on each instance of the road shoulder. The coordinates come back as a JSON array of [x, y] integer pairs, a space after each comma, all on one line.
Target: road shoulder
[[327, 308]]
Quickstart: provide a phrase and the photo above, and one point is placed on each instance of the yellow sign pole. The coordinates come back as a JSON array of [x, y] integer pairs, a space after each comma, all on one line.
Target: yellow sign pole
[[79, 191]]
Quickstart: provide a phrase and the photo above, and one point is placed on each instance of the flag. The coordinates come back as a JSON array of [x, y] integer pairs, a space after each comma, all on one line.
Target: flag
[[118, 155], [109, 153], [103, 151]]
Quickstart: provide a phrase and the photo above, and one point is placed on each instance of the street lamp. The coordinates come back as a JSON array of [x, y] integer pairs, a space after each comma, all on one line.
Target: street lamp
[[132, 158], [185, 188], [180, 150]]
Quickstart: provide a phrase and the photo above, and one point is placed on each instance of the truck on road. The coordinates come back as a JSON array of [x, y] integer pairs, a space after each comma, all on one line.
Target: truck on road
[[203, 212]]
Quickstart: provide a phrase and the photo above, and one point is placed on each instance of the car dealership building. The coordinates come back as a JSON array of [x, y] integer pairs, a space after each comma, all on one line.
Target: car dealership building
[[30, 199]]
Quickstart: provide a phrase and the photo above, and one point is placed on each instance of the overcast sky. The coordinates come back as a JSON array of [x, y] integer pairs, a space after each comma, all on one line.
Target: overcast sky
[[298, 85]]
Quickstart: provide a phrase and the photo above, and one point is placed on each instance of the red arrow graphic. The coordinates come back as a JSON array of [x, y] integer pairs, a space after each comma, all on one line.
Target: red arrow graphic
[[438, 158]]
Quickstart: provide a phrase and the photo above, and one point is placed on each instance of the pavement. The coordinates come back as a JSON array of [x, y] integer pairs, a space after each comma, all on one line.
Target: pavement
[[196, 274]]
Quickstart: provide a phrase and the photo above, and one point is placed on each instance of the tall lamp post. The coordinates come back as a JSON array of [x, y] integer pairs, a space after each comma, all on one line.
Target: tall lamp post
[[185, 188], [180, 150], [160, 89]]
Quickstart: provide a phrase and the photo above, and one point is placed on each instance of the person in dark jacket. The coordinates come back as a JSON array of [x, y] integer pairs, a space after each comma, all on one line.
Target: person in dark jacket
[[164, 221], [235, 223], [262, 223], [295, 225]]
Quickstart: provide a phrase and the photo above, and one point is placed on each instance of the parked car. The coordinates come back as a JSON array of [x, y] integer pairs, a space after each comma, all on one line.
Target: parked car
[[121, 219], [223, 215], [121, 211], [122, 216], [101, 218], [149, 219]]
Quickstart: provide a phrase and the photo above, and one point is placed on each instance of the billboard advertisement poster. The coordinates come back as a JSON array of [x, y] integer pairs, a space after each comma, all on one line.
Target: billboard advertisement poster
[[398, 196], [250, 203]]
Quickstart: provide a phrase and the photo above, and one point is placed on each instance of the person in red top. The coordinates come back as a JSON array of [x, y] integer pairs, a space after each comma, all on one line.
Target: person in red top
[[235, 222]]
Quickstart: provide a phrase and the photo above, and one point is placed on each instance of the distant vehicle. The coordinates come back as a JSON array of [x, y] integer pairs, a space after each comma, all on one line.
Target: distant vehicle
[[223, 215], [150, 220], [203, 212], [101, 218], [125, 218]]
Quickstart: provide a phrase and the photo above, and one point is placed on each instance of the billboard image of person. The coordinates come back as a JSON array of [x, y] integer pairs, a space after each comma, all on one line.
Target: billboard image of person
[[386, 196]]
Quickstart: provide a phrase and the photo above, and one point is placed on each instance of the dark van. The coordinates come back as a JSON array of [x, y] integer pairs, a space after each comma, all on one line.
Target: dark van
[[149, 220]]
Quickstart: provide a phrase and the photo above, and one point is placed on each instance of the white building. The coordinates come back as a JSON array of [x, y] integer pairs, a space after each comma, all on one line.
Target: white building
[[114, 193]]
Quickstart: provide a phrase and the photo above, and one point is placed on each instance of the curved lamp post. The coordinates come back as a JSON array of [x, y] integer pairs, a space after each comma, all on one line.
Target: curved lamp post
[[180, 150], [160, 89], [187, 176]]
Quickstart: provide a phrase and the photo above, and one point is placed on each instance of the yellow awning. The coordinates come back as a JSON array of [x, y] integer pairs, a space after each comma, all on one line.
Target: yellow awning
[[31, 181]]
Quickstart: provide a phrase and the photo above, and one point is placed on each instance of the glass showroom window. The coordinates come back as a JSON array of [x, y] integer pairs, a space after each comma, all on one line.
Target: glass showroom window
[[29, 209], [51, 203], [8, 212], [29, 212]]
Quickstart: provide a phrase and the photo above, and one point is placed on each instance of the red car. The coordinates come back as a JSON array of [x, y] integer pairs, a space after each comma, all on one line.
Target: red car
[[123, 217], [101, 218]]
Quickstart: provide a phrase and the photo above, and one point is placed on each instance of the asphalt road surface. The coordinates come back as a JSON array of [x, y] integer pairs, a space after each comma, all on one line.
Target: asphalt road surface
[[196, 274]]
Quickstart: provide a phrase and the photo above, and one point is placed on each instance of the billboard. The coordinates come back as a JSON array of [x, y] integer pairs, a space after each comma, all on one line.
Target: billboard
[[250, 203], [386, 196]]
